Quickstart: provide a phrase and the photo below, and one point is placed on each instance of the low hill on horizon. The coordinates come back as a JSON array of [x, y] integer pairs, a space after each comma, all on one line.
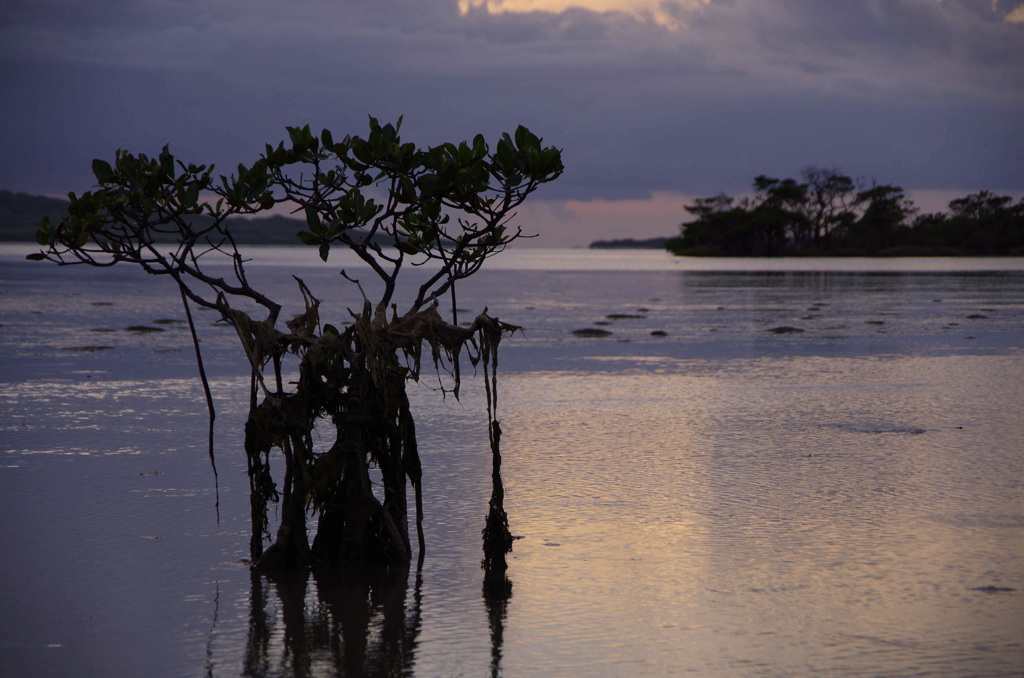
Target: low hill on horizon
[[21, 214]]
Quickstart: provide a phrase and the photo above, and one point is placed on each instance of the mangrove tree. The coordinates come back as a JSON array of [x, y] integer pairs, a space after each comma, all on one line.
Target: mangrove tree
[[393, 204]]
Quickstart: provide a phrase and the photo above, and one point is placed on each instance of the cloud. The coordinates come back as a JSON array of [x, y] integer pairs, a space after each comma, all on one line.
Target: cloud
[[1016, 16], [659, 12], [924, 93]]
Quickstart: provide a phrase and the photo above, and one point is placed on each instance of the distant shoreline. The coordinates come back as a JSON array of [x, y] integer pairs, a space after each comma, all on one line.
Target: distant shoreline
[[21, 214], [629, 243], [893, 252]]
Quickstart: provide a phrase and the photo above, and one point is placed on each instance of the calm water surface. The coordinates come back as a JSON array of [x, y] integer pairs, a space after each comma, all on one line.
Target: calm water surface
[[843, 498]]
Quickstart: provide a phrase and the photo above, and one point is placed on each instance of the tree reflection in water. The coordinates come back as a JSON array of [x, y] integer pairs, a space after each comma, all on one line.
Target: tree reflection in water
[[496, 599], [359, 626]]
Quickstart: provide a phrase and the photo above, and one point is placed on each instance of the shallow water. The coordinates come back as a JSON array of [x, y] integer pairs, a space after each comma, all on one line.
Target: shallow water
[[721, 500]]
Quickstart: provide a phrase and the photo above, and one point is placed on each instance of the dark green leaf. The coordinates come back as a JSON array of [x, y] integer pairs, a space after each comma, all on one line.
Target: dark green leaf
[[313, 220], [522, 137], [103, 171], [192, 196], [479, 146]]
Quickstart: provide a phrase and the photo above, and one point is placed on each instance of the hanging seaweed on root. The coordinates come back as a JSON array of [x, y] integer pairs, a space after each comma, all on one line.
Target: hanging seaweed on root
[[496, 534], [354, 382]]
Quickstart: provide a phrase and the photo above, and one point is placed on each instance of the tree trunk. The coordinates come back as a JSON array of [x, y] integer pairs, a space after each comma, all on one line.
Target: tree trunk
[[355, 528]]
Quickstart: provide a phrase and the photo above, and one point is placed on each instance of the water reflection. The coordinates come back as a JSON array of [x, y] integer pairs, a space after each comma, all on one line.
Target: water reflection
[[773, 517], [360, 624], [721, 501], [497, 611]]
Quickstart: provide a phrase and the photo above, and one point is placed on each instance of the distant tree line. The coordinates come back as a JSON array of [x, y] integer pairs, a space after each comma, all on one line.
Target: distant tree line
[[829, 213]]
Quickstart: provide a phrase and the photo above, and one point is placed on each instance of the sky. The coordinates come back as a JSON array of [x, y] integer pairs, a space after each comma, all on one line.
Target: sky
[[653, 102]]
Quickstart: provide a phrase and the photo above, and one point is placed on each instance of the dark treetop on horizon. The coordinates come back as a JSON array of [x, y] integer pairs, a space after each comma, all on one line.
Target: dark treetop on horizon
[[829, 213]]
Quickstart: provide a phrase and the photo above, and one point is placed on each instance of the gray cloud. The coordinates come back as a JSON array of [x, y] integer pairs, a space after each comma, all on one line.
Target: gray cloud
[[919, 92]]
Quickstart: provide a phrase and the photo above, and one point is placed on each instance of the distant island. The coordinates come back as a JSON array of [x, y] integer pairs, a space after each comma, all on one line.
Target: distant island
[[630, 244], [830, 214]]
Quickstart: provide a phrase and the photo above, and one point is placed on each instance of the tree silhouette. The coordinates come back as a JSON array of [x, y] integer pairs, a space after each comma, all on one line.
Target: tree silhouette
[[393, 205], [830, 213]]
